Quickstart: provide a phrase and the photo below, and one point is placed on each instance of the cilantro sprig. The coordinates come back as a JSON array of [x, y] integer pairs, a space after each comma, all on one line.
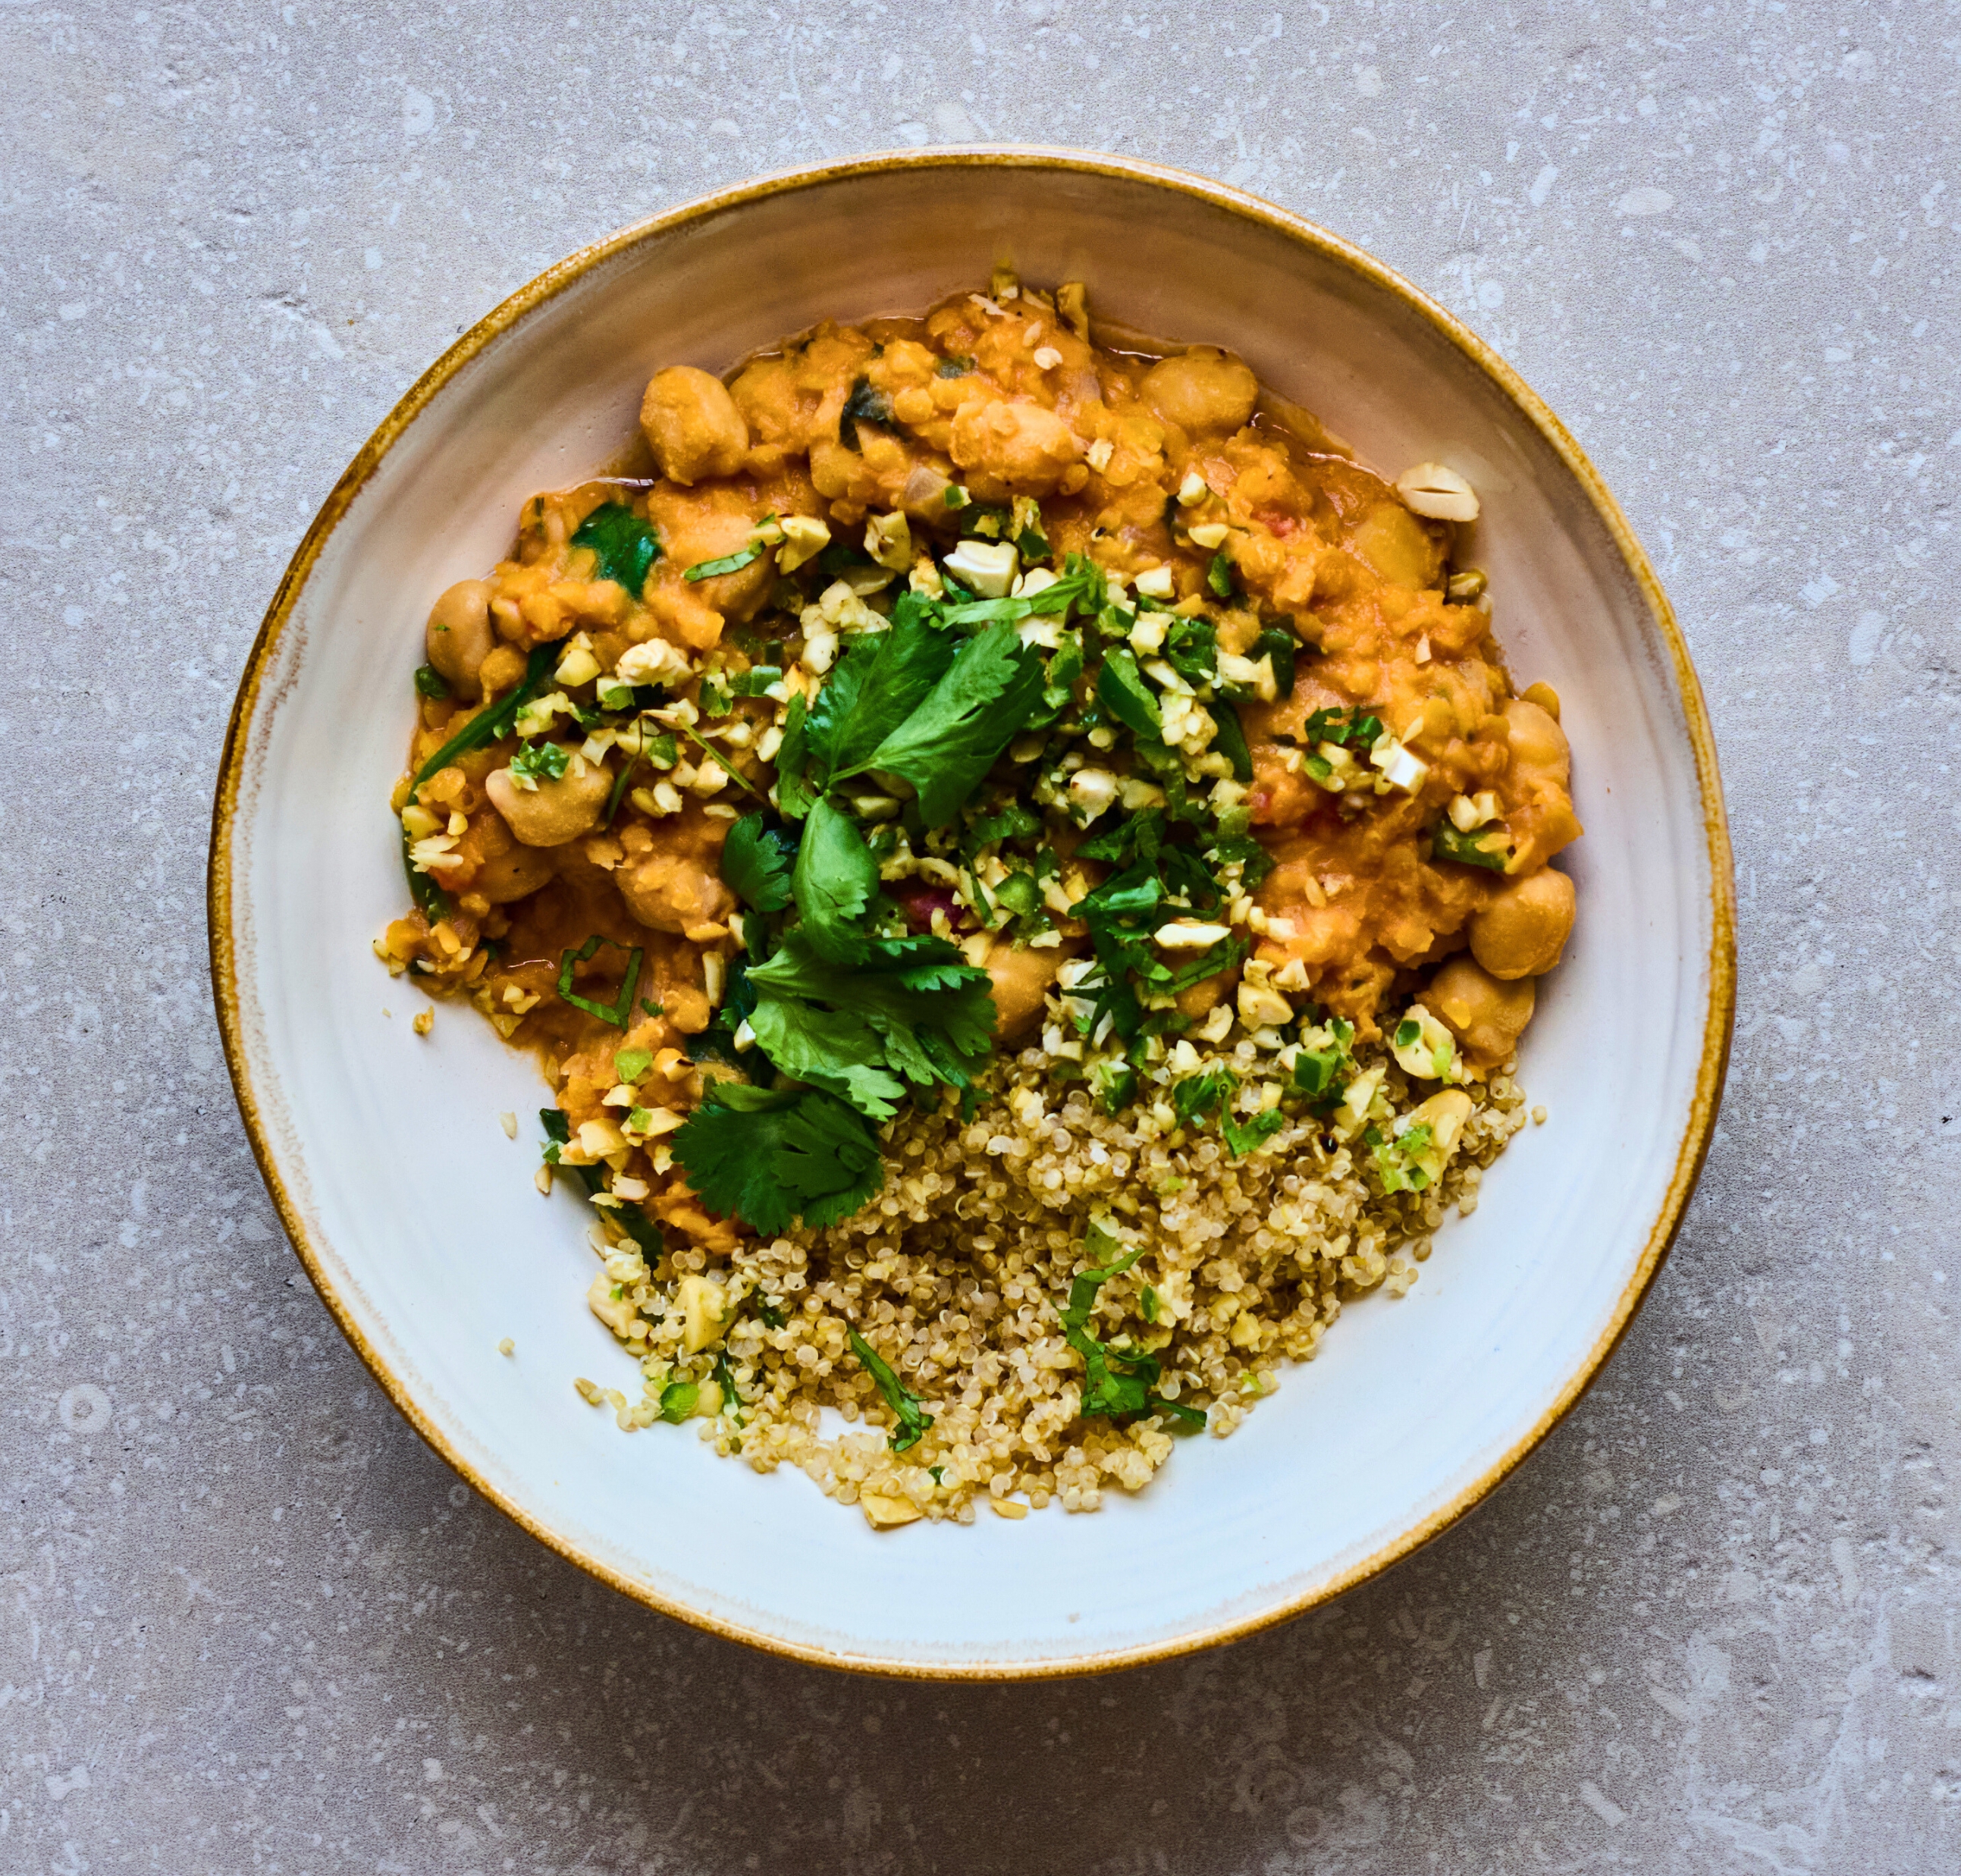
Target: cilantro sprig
[[769, 1155]]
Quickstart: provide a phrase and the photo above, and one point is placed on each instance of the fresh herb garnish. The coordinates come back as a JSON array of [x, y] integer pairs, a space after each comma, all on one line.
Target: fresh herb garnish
[[487, 725], [866, 404], [773, 1156], [1346, 729], [1231, 740], [1219, 576], [914, 1013], [728, 563], [430, 682], [1322, 1074], [756, 862], [1242, 1137], [540, 762], [913, 1418], [619, 1010], [625, 545], [1113, 1384], [1489, 848]]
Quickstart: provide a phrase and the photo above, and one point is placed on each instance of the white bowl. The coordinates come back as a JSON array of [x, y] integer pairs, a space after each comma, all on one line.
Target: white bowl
[[416, 1217]]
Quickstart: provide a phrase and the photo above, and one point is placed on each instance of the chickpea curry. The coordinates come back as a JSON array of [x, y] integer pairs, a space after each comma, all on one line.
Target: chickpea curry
[[935, 684]]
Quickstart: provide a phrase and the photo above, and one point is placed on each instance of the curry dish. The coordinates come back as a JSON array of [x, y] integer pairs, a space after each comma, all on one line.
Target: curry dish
[[1025, 871]]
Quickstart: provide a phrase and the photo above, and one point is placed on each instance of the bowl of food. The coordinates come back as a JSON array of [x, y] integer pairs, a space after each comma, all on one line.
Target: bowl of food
[[897, 883]]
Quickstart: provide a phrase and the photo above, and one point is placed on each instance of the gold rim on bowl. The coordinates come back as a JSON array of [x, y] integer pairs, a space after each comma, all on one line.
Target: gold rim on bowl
[[1721, 961]]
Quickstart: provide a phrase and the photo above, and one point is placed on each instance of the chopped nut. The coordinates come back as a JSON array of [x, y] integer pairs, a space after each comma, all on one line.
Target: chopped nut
[[1437, 493], [423, 1021]]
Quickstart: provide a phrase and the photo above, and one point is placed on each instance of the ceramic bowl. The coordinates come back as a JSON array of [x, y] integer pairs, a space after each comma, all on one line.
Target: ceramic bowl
[[416, 1217]]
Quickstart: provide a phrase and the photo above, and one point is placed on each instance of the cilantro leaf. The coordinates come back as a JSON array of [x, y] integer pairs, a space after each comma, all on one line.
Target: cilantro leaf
[[756, 864], [913, 1418], [821, 1023], [770, 1157], [794, 795], [429, 681], [834, 882], [625, 545], [1121, 691], [876, 686], [1242, 1139], [1231, 741], [837, 1049], [951, 740], [542, 761]]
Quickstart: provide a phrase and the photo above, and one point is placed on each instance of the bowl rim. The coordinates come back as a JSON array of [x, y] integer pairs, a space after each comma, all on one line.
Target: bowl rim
[[1721, 961]]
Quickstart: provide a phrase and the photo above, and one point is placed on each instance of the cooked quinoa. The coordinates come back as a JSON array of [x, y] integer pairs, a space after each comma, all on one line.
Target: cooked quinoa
[[1025, 872], [961, 1264]]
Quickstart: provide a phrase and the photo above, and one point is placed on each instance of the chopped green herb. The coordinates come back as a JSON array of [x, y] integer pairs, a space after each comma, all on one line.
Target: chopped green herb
[[630, 1064], [1241, 1139], [1231, 741], [771, 1157], [865, 404], [913, 1418], [1196, 1095], [1347, 728], [678, 1401], [542, 761], [430, 682], [1113, 1383], [1489, 848], [728, 563], [756, 862], [625, 545], [1398, 1162], [1121, 691], [1219, 576], [615, 1012]]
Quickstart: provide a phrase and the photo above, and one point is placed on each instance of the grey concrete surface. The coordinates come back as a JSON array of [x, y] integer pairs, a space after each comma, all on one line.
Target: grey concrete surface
[[251, 1624]]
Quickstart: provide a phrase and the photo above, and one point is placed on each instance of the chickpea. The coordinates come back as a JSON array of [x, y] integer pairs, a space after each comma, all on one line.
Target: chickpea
[[514, 876], [1487, 1016], [1026, 446], [1203, 392], [1539, 748], [672, 892], [458, 636], [501, 670], [693, 425], [1022, 979], [1522, 931], [554, 812]]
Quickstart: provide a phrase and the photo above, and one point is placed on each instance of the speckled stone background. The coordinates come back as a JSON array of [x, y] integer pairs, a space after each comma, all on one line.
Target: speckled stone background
[[251, 1624]]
